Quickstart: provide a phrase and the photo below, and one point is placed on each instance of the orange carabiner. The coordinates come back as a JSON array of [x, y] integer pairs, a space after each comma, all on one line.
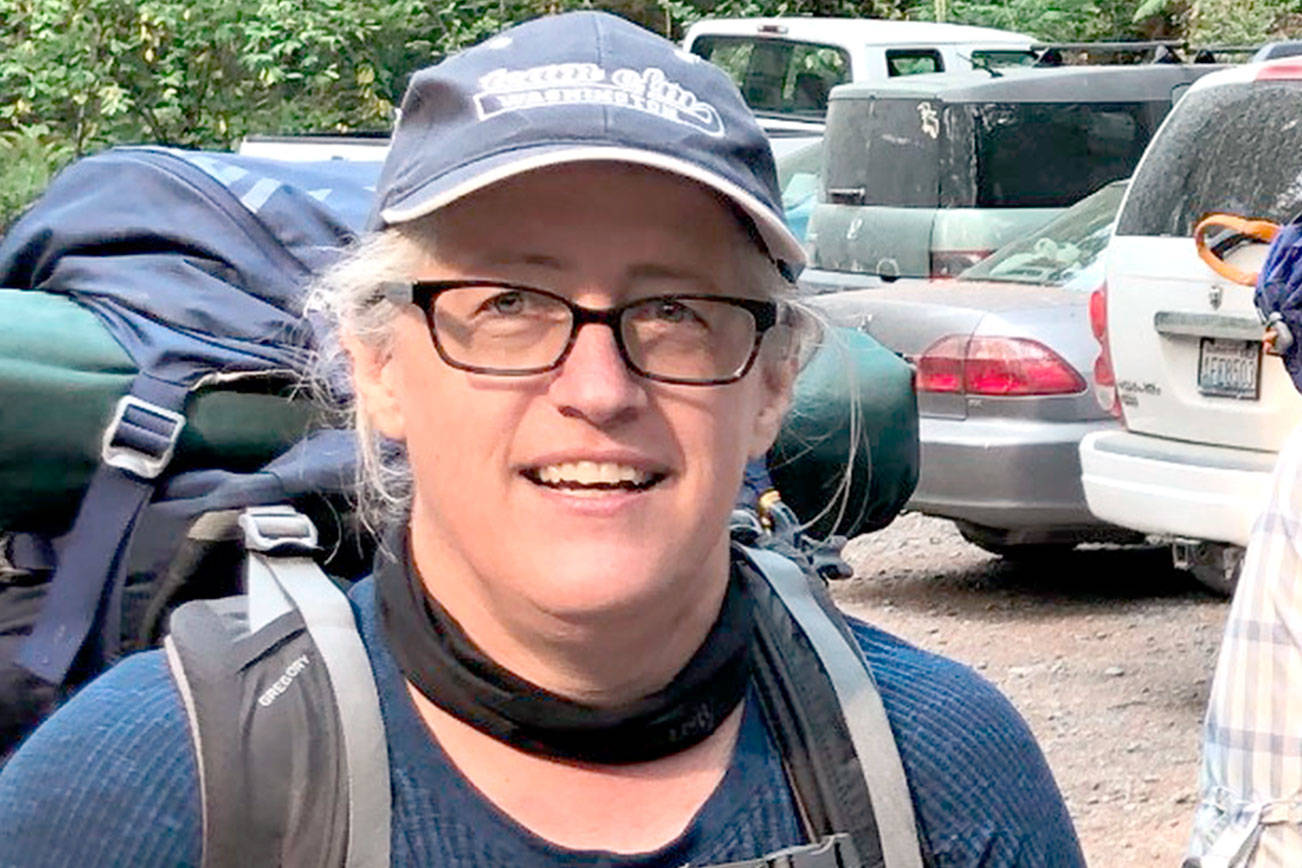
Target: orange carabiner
[[1258, 230]]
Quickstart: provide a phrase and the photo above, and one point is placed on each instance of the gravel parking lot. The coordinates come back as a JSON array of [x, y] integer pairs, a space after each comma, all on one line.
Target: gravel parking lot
[[1107, 653]]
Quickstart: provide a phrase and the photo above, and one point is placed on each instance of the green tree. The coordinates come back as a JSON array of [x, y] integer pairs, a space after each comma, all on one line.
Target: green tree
[[78, 75], [1242, 21], [1055, 20]]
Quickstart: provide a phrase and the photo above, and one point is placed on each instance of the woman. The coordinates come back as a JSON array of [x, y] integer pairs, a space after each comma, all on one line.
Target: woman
[[573, 317]]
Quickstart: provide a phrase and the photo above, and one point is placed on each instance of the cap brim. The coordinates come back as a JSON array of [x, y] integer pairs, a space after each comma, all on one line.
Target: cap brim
[[782, 244]]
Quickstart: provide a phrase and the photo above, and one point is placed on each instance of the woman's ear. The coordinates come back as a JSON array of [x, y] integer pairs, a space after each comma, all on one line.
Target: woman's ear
[[778, 376], [375, 379]]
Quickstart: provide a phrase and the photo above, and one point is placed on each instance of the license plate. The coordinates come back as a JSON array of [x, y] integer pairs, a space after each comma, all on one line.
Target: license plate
[[1229, 369]]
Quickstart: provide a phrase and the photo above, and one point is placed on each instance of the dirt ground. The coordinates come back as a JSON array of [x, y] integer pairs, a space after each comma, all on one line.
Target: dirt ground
[[1107, 653]]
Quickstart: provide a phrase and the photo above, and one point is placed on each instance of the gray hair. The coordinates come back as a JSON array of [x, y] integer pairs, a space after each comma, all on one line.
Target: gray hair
[[348, 296]]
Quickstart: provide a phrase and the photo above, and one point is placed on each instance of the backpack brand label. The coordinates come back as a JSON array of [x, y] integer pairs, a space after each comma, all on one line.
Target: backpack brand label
[[281, 684]]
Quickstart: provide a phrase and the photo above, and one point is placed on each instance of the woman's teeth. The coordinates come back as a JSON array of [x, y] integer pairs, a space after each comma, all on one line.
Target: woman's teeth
[[593, 474]]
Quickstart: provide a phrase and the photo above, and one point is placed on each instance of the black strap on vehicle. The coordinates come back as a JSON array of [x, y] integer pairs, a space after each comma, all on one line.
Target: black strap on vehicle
[[285, 784]]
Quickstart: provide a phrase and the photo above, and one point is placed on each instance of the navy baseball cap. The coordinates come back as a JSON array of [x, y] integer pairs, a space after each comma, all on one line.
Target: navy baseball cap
[[583, 86]]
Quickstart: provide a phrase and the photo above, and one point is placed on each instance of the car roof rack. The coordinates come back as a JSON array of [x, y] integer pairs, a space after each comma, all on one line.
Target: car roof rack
[[1076, 53], [1216, 53]]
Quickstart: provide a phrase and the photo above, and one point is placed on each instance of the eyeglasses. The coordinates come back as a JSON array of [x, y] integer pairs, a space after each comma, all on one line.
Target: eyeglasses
[[508, 330]]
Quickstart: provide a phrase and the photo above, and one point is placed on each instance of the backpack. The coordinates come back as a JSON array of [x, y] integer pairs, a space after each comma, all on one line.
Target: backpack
[[154, 296], [1278, 297], [293, 765], [154, 314]]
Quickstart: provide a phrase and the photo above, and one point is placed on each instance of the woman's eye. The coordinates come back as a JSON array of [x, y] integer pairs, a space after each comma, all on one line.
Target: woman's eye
[[506, 303], [671, 311]]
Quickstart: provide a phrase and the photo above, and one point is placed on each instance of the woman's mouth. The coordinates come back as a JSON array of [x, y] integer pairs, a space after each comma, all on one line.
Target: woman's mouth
[[593, 476]]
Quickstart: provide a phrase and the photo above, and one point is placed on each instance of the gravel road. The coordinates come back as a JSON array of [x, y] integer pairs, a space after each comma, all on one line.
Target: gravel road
[[1107, 653]]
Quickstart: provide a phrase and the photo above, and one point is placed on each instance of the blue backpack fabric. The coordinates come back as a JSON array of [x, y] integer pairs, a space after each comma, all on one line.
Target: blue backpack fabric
[[1278, 296], [195, 263]]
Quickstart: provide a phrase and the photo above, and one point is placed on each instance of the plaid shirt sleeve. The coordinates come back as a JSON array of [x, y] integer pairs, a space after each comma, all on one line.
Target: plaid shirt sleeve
[[1250, 809]]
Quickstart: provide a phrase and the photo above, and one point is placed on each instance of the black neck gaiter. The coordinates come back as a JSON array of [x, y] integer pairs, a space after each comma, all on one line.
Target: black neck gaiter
[[443, 663]]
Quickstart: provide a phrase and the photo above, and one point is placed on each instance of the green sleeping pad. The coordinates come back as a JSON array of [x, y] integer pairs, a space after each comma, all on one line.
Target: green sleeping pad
[[61, 375], [810, 463]]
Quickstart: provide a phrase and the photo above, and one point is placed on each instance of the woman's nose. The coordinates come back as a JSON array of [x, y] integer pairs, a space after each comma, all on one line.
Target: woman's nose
[[594, 383]]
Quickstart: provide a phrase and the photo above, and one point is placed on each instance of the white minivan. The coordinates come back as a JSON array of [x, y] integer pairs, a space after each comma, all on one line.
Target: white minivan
[[785, 67], [1181, 360]]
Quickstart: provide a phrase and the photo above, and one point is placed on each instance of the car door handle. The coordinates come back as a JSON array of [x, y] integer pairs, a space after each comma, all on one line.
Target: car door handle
[[1175, 323], [846, 195]]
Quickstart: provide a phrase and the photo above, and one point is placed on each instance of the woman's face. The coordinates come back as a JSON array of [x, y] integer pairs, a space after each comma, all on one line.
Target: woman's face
[[504, 467]]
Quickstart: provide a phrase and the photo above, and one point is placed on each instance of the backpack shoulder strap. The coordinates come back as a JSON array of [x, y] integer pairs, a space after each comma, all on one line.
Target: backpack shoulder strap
[[283, 780], [824, 710]]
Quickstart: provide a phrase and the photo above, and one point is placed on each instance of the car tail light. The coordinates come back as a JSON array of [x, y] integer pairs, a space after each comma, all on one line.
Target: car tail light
[[949, 263], [1105, 380], [1281, 70], [995, 366], [940, 367]]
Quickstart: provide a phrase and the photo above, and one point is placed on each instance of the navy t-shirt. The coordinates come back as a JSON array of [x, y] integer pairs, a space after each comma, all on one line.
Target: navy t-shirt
[[111, 779]]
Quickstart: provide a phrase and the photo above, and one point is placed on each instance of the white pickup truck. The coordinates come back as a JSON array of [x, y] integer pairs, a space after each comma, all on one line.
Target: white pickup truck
[[785, 67]]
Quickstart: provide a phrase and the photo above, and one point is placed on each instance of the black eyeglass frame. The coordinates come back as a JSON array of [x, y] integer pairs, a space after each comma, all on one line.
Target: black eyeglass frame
[[423, 293]]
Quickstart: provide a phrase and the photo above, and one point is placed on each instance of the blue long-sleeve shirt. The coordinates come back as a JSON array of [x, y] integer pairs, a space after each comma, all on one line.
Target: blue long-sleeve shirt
[[111, 779]]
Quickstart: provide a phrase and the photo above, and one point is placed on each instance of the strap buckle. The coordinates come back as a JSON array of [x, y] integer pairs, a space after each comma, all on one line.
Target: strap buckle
[[279, 529], [141, 438], [832, 851]]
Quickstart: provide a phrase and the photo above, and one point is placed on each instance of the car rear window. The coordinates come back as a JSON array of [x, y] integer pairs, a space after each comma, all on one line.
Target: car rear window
[[928, 153], [998, 58], [1049, 155], [1234, 149], [883, 152], [777, 75], [913, 61]]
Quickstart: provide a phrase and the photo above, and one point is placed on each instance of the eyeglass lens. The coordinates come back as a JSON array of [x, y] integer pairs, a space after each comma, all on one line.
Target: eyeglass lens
[[511, 330]]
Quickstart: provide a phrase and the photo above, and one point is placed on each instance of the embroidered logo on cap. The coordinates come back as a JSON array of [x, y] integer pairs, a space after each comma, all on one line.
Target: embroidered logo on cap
[[648, 91]]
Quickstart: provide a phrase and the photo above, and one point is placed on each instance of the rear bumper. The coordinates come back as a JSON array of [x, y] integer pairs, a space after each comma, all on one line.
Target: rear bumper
[[1162, 486], [1012, 474]]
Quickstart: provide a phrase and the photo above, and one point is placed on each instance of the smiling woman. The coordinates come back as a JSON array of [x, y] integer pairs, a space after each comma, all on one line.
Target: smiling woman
[[563, 409], [568, 332]]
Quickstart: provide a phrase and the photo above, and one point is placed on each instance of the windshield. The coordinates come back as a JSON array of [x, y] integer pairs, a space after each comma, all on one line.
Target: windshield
[[776, 75], [1060, 253], [798, 172], [1233, 149]]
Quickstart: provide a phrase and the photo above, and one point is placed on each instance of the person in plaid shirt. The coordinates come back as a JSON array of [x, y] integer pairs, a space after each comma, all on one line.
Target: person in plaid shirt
[[1250, 808], [1250, 811]]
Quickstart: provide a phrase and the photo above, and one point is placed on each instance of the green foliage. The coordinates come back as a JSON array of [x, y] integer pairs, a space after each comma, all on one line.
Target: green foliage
[[1148, 8], [1051, 20], [169, 71], [78, 75], [28, 159], [1242, 21]]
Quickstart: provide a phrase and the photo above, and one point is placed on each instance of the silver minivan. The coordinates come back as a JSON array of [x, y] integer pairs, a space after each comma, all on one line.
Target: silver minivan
[[924, 176]]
